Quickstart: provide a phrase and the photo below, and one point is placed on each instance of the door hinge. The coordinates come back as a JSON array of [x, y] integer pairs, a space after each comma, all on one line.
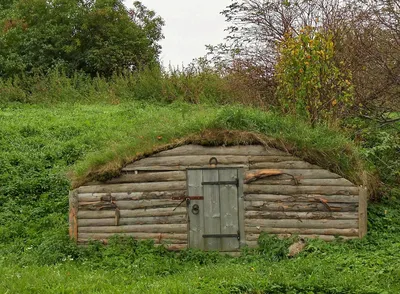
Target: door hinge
[[235, 183], [223, 235]]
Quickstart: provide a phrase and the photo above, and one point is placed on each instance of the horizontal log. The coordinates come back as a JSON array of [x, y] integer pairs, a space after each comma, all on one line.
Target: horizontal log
[[174, 247], [92, 197], [302, 198], [303, 223], [198, 160], [299, 206], [290, 190], [232, 150], [177, 219], [146, 177], [156, 241], [303, 182], [328, 238], [171, 247], [176, 167], [188, 160], [300, 215], [168, 211], [283, 165], [301, 231], [138, 236], [124, 205], [164, 228], [255, 237], [302, 173], [134, 187]]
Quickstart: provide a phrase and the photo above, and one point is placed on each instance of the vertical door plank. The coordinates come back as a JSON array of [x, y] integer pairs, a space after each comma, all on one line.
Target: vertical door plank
[[229, 209], [196, 221], [212, 215]]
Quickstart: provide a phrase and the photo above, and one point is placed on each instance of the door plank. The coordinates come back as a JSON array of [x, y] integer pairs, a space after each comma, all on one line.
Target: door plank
[[212, 214], [196, 221], [229, 209]]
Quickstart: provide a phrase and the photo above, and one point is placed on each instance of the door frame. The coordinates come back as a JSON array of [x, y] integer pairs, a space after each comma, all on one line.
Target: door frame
[[241, 208]]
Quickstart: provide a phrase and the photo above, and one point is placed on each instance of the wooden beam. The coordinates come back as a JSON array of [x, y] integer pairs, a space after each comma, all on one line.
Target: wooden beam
[[303, 223], [167, 176], [134, 187], [176, 219], [304, 173], [362, 212], [328, 238], [176, 167], [283, 165], [144, 212], [73, 212], [125, 196], [300, 215], [192, 149], [127, 205], [300, 206], [303, 198], [293, 181], [138, 236], [159, 228], [290, 190], [302, 231]]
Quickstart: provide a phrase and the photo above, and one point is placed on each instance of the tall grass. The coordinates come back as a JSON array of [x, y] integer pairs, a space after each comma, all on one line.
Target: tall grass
[[190, 84]]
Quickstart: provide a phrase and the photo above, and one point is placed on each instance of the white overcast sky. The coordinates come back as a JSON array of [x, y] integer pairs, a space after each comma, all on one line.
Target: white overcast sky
[[189, 26]]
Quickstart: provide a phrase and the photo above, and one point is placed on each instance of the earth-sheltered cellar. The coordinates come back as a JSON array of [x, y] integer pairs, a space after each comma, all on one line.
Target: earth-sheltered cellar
[[192, 195]]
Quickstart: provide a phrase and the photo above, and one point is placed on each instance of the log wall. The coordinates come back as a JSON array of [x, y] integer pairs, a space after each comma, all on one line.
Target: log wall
[[145, 202]]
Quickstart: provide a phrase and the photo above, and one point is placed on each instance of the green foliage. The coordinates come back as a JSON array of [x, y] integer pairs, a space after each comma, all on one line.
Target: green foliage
[[96, 37], [149, 84], [40, 143], [272, 248], [310, 83], [381, 149]]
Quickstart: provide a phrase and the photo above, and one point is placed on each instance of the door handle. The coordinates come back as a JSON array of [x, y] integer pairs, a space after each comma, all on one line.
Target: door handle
[[195, 209]]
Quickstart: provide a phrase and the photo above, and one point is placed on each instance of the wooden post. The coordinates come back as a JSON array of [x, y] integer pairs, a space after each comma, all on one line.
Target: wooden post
[[362, 212], [242, 241], [73, 213]]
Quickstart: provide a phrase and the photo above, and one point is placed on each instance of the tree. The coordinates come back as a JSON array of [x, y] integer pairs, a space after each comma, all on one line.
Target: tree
[[365, 34], [95, 36], [257, 25], [371, 48], [310, 83]]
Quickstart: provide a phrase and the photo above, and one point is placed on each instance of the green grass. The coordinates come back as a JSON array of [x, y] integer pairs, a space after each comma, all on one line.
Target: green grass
[[355, 267], [40, 144]]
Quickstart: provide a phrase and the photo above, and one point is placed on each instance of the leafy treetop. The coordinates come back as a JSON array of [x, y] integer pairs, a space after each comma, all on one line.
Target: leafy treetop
[[94, 36]]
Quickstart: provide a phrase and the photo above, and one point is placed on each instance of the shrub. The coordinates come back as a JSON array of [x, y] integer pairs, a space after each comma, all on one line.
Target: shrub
[[310, 83]]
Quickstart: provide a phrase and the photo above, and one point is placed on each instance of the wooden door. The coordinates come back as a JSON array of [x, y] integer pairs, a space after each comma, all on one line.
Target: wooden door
[[213, 209]]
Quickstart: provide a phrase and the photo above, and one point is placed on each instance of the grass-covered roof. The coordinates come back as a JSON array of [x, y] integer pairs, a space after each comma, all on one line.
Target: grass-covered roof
[[166, 127]]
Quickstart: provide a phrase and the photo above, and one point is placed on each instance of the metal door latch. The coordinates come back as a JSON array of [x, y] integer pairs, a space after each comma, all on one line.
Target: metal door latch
[[195, 209]]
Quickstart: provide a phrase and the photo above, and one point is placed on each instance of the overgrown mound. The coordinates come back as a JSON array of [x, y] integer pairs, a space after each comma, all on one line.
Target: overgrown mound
[[239, 126]]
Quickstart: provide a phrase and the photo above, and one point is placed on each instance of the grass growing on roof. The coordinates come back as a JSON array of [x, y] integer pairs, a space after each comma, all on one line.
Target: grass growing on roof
[[229, 125]]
